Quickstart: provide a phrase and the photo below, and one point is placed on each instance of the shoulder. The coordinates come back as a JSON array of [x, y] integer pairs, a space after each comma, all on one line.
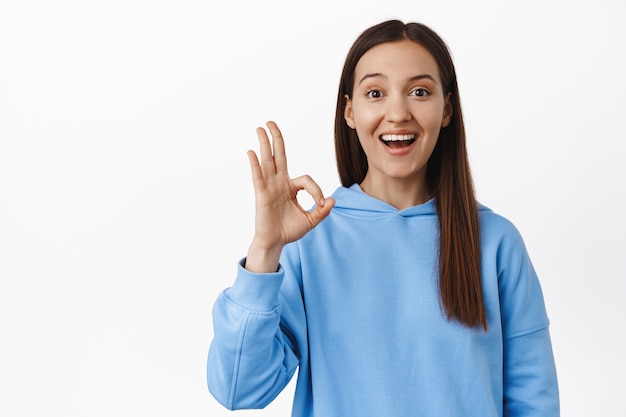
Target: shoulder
[[495, 224], [499, 234]]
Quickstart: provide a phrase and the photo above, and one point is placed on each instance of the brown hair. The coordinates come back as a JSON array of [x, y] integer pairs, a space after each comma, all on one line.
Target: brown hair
[[448, 174]]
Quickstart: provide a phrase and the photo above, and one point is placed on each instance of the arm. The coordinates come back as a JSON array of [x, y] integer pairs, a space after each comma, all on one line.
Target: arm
[[530, 381], [252, 356], [250, 359]]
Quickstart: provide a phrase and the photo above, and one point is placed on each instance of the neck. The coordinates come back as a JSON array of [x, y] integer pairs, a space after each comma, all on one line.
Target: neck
[[400, 194]]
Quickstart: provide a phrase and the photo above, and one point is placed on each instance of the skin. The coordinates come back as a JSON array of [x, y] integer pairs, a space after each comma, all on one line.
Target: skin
[[279, 218], [397, 90]]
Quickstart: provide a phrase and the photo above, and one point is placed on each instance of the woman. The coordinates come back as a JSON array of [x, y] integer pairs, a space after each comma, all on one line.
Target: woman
[[400, 295]]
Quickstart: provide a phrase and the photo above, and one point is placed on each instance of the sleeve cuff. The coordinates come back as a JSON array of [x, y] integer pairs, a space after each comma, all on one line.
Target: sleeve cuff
[[256, 292]]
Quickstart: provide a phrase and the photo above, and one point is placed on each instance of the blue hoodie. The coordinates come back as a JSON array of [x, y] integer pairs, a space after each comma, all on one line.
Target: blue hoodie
[[355, 308]]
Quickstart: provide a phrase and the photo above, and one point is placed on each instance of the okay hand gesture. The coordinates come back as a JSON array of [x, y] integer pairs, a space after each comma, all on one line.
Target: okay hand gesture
[[279, 218]]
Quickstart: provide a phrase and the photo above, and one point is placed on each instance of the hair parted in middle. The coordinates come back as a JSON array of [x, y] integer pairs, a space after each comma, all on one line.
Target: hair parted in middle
[[449, 178]]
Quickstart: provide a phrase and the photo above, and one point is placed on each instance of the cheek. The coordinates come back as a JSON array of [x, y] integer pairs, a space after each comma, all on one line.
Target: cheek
[[431, 118], [364, 114], [366, 138]]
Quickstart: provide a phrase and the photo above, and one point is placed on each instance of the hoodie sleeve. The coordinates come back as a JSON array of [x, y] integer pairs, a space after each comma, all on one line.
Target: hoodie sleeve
[[530, 382], [251, 359]]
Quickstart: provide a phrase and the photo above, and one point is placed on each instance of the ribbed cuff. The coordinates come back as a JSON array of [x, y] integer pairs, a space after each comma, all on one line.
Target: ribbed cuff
[[256, 292]]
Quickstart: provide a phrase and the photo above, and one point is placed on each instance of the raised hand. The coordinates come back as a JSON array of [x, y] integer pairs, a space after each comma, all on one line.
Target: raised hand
[[279, 218]]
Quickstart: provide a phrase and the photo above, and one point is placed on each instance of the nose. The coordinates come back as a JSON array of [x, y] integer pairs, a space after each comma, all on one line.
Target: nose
[[397, 109]]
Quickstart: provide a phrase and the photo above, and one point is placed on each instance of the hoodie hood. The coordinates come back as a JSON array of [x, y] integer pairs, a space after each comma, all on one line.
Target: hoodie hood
[[354, 201]]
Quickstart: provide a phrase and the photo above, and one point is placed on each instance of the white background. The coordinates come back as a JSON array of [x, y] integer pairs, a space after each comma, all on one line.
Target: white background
[[125, 199]]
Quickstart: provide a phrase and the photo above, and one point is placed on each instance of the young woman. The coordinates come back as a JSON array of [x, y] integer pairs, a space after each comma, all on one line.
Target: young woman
[[400, 295]]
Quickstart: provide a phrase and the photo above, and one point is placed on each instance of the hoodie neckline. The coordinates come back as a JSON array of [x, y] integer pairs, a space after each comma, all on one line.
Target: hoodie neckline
[[353, 198]]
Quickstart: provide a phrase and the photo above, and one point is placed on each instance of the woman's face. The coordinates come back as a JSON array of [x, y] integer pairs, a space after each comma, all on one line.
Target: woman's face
[[397, 109]]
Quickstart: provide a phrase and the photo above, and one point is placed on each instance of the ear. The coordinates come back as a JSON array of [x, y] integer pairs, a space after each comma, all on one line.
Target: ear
[[447, 111], [348, 114]]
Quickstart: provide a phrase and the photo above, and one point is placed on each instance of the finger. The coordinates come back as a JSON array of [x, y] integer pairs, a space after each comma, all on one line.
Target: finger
[[305, 182], [267, 159], [278, 144], [321, 212], [257, 174]]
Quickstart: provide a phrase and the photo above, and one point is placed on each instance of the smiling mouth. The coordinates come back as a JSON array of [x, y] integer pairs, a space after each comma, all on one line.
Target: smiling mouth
[[398, 141]]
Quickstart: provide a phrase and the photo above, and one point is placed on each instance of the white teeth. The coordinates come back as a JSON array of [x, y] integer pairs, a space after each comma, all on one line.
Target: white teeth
[[393, 138]]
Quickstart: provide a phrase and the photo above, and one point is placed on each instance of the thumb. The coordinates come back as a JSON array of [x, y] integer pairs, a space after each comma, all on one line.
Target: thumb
[[321, 212]]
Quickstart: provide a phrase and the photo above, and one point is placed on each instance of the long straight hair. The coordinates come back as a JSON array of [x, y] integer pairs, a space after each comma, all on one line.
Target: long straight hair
[[448, 174]]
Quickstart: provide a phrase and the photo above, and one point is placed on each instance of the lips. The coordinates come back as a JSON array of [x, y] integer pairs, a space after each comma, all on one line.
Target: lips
[[398, 141]]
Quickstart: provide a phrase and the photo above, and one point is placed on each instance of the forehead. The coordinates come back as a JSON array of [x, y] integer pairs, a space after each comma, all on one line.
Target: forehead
[[404, 57]]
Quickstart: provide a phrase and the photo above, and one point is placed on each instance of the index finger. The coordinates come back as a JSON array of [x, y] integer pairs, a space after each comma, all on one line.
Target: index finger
[[278, 144]]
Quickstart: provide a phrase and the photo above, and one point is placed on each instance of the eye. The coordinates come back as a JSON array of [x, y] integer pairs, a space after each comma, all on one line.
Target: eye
[[420, 92], [374, 94]]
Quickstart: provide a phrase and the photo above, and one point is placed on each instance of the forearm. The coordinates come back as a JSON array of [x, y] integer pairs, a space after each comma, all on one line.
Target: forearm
[[249, 362], [531, 388]]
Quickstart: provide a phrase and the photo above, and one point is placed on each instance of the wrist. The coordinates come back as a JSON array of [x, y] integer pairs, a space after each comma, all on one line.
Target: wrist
[[263, 259]]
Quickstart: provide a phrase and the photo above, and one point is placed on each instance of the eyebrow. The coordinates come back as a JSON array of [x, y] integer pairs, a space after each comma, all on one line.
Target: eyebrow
[[414, 78]]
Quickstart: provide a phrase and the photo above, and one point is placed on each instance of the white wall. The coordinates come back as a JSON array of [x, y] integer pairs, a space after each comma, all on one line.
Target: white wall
[[125, 198]]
